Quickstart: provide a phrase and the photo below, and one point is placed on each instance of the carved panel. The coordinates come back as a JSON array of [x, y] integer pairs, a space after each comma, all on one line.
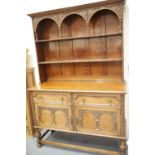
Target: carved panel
[[88, 121], [98, 121], [46, 117], [106, 122], [51, 117]]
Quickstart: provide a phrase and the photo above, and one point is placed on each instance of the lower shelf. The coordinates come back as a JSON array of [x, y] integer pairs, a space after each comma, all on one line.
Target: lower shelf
[[94, 144]]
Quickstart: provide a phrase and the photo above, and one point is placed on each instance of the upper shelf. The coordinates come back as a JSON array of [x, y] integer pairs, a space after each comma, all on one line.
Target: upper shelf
[[80, 61], [83, 37]]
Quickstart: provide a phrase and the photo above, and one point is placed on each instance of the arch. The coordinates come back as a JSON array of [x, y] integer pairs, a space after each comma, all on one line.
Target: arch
[[47, 29], [104, 21], [73, 25]]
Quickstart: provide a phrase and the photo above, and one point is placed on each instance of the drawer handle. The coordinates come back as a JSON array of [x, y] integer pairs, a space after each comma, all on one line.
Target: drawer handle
[[110, 103], [84, 101], [62, 99]]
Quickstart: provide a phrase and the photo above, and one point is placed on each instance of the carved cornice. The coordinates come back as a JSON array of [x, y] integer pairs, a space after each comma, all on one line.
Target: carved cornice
[[86, 13]]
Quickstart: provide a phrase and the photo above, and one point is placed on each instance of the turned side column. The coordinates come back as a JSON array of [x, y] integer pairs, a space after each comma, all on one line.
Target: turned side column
[[123, 147]]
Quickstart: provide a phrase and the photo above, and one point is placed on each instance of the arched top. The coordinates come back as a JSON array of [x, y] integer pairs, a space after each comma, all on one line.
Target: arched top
[[47, 29], [105, 10], [73, 25], [71, 15], [104, 21]]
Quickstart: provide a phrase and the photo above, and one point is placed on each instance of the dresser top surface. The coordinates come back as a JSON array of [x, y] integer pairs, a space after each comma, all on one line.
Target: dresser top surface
[[82, 86]]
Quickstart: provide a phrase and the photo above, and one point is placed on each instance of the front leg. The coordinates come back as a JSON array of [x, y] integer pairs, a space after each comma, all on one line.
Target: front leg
[[123, 147], [38, 136]]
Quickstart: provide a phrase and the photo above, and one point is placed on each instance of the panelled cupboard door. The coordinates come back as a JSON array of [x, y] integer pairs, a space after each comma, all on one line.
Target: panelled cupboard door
[[103, 121], [53, 117]]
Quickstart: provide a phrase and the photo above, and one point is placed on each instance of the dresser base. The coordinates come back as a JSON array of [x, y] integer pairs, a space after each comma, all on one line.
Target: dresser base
[[41, 140]]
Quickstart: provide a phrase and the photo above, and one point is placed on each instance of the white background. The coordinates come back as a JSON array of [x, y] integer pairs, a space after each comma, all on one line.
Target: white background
[[16, 34]]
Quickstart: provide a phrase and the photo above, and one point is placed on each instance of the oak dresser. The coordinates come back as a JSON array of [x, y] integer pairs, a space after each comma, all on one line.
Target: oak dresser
[[80, 61]]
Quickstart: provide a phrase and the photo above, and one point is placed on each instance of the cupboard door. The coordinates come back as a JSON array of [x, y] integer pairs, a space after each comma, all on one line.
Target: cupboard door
[[53, 117], [100, 120]]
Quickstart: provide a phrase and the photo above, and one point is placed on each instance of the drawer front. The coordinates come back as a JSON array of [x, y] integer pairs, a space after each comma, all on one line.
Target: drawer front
[[99, 120], [51, 98], [54, 117], [97, 100]]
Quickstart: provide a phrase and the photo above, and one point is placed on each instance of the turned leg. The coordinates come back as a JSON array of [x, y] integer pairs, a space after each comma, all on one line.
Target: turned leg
[[38, 136], [123, 147]]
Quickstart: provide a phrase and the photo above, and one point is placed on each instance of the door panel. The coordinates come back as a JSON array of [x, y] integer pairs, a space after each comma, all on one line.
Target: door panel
[[56, 117], [98, 120]]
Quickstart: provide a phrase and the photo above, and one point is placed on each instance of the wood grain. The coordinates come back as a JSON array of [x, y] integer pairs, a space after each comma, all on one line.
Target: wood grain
[[80, 53], [83, 86], [47, 29]]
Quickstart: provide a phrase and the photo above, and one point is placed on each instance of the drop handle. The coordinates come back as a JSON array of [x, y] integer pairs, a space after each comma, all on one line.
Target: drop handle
[[62, 100], [110, 103], [84, 101]]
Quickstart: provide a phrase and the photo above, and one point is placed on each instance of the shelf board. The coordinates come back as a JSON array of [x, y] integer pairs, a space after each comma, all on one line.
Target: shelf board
[[82, 37], [82, 86], [81, 61]]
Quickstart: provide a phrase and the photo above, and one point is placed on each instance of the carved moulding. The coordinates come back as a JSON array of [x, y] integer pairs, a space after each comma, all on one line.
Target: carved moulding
[[53, 17], [86, 14], [117, 9], [58, 18]]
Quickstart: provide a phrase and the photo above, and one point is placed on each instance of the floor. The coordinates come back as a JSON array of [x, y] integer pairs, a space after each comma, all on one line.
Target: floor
[[31, 147]]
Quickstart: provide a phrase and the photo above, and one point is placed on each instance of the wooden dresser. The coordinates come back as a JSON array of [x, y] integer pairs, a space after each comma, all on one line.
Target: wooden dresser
[[80, 61]]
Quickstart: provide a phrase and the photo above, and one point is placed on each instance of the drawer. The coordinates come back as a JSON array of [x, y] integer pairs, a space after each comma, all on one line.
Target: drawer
[[97, 100], [51, 98]]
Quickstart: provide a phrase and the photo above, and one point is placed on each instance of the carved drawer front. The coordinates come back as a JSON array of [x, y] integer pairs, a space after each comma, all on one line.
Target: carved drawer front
[[98, 120], [55, 117], [97, 100], [51, 98]]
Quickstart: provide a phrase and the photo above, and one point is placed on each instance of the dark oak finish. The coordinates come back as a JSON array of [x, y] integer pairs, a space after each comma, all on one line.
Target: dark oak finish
[[80, 60]]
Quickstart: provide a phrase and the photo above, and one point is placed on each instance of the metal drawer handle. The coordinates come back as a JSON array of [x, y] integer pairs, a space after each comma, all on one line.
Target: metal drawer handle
[[62, 99], [110, 103], [84, 101]]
